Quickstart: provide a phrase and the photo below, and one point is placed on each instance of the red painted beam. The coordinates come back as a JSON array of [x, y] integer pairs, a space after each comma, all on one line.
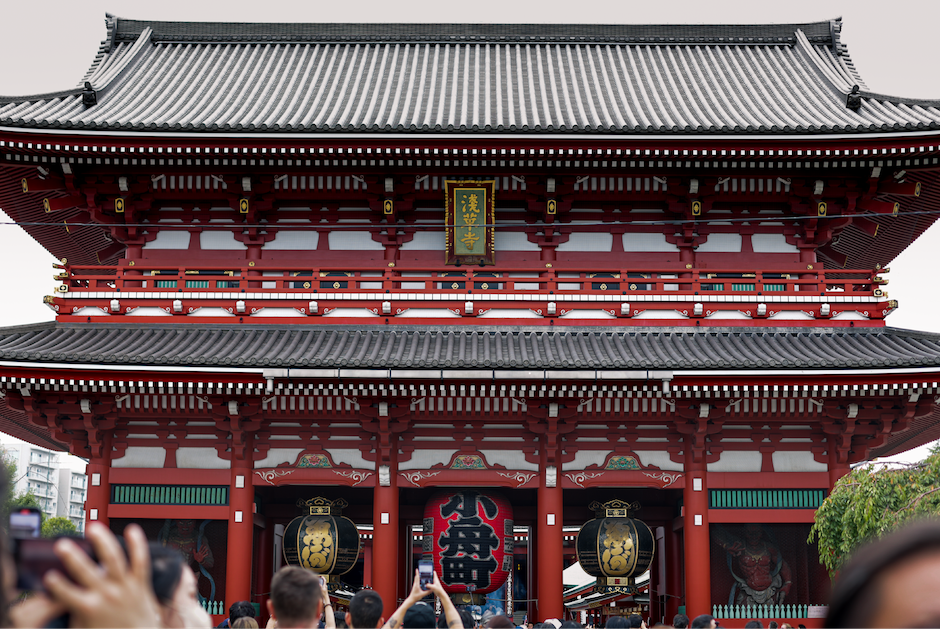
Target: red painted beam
[[762, 516], [165, 476], [161, 512]]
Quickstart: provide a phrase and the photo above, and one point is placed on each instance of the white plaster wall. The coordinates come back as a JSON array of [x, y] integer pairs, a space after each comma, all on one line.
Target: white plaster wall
[[585, 458], [136, 456], [658, 458], [424, 459], [294, 241], [169, 239], [353, 240], [512, 241], [509, 459], [587, 242], [721, 243], [200, 458], [351, 456], [772, 243], [425, 241], [797, 462], [737, 462], [277, 456], [641, 242], [220, 241]]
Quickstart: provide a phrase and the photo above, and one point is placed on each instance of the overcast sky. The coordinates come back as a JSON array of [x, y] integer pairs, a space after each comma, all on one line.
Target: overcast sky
[[47, 46]]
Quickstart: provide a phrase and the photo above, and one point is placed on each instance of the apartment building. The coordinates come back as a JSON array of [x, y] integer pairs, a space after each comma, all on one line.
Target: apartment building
[[59, 488]]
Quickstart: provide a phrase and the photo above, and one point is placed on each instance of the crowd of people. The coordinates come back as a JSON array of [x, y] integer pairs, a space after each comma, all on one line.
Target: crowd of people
[[136, 583]]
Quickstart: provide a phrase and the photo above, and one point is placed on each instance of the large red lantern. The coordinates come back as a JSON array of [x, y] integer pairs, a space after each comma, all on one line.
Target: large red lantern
[[468, 535]]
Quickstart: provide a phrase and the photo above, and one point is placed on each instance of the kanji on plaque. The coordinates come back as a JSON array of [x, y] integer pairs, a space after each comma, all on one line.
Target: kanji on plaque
[[470, 218], [468, 535]]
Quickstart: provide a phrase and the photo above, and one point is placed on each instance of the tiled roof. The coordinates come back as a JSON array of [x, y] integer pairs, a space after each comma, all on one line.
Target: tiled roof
[[415, 347], [380, 78]]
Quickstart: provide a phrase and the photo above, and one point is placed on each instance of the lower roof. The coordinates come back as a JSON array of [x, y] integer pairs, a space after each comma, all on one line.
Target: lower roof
[[188, 346], [468, 347]]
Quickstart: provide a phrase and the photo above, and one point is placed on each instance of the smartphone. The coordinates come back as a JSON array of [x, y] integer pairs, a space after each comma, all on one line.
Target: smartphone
[[25, 522], [322, 581], [425, 573], [34, 557]]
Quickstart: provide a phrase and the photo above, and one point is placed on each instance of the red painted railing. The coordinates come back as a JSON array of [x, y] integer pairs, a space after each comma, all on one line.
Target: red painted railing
[[392, 290]]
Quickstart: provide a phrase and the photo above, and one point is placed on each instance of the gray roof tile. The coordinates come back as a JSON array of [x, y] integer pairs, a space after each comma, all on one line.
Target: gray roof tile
[[461, 348], [519, 78]]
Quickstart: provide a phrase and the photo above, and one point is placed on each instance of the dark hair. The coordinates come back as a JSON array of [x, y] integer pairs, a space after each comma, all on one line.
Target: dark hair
[[166, 570], [239, 609], [617, 622], [855, 595], [680, 621], [339, 619], [295, 595], [465, 619], [754, 624], [702, 622], [504, 622], [635, 620], [772, 624], [365, 609], [419, 616]]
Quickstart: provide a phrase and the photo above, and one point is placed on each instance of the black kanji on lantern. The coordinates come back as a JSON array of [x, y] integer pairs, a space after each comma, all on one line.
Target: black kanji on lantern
[[468, 542]]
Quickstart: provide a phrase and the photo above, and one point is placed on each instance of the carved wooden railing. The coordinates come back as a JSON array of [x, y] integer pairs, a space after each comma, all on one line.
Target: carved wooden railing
[[547, 291]]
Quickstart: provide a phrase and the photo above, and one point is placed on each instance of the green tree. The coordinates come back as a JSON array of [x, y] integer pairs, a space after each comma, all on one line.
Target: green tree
[[872, 501], [58, 526], [12, 500]]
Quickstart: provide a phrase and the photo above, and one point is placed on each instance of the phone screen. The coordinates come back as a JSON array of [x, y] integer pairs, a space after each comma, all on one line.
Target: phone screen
[[425, 573], [34, 557], [25, 523]]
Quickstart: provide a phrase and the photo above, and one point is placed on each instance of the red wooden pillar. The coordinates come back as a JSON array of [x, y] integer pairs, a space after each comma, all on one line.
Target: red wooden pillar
[[240, 525], [98, 471], [695, 529], [673, 574], [837, 468], [385, 540], [550, 542]]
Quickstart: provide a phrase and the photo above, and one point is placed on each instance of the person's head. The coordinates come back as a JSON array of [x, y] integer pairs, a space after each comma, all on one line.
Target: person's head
[[466, 619], [339, 619], [891, 582], [295, 598], [419, 616], [502, 622], [365, 610], [754, 624], [705, 621], [635, 620], [244, 622], [617, 622], [681, 621], [240, 609], [174, 585], [772, 624]]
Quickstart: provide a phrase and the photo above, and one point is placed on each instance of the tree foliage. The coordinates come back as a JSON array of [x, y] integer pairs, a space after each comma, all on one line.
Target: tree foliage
[[872, 501], [58, 526], [11, 500]]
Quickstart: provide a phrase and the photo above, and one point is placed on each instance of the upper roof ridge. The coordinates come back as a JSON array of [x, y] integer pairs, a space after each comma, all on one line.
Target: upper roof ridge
[[653, 34]]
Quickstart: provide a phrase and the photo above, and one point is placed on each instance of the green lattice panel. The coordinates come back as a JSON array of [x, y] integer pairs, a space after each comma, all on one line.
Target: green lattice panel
[[169, 495], [766, 498]]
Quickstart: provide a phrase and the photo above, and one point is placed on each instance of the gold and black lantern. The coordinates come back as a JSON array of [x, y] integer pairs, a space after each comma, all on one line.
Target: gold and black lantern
[[323, 540], [614, 547]]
